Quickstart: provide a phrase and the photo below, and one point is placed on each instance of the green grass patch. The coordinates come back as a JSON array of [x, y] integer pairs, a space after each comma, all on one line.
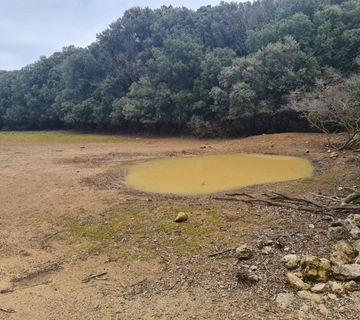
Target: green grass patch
[[59, 136], [143, 232]]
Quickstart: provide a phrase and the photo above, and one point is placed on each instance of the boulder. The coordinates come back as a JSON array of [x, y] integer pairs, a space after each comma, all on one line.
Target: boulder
[[243, 252], [291, 261], [347, 272], [297, 282], [181, 217]]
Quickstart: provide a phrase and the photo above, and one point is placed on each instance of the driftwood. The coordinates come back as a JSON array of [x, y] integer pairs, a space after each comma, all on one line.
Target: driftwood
[[334, 204]]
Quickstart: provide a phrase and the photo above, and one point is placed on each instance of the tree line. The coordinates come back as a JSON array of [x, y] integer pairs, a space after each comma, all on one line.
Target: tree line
[[222, 70]]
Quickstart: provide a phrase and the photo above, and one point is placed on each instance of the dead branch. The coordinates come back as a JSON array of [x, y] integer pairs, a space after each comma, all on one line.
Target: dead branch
[[339, 205], [7, 310], [221, 252], [235, 194], [350, 198], [93, 276]]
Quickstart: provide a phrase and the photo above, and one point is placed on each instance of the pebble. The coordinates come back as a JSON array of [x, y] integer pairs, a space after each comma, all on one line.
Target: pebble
[[181, 217]]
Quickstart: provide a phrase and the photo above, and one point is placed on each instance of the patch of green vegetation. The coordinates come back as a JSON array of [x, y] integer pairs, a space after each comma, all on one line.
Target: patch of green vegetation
[[141, 232], [58, 136], [167, 227]]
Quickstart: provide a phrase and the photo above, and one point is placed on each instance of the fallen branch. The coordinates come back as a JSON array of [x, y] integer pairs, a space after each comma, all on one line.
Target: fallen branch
[[221, 252], [347, 204], [93, 276], [7, 310]]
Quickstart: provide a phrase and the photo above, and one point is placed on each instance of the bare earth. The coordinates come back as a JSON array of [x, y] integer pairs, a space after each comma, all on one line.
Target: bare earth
[[65, 214]]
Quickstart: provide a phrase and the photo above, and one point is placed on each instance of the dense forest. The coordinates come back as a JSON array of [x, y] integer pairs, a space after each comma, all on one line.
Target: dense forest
[[222, 70]]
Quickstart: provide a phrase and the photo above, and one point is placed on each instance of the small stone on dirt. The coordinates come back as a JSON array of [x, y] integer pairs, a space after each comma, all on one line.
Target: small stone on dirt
[[347, 272], [323, 310], [267, 250], [314, 268], [181, 217], [291, 261], [284, 300], [297, 282], [337, 233], [319, 288], [336, 287], [352, 286], [243, 252], [345, 247], [303, 294], [339, 258]]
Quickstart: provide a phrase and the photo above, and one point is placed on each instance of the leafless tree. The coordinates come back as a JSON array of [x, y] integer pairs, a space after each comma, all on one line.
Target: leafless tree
[[334, 106]]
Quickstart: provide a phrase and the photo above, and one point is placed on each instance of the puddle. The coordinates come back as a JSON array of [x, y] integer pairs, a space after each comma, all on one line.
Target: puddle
[[214, 173]]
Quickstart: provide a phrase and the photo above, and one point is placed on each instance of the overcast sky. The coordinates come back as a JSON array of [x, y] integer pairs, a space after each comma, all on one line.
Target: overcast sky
[[32, 28]]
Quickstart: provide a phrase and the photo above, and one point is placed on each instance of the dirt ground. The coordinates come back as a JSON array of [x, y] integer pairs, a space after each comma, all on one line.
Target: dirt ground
[[65, 215]]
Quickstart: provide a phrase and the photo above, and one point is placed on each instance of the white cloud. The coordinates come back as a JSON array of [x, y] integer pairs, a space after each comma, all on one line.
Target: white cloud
[[30, 28]]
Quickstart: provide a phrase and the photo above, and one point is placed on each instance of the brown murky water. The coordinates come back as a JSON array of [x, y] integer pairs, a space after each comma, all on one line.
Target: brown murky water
[[214, 173]]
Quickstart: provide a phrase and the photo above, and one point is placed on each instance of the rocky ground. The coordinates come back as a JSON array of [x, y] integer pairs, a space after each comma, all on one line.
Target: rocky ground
[[77, 244]]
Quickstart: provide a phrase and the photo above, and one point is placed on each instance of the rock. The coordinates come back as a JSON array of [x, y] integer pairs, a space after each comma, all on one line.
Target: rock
[[356, 218], [264, 242], [355, 233], [337, 233], [323, 310], [291, 261], [351, 286], [332, 296], [247, 276], [356, 245], [314, 268], [181, 217], [297, 282], [253, 268], [357, 259], [284, 300], [339, 258], [352, 228], [347, 272], [333, 155], [344, 247], [266, 250], [309, 296], [319, 288], [336, 287], [243, 252]]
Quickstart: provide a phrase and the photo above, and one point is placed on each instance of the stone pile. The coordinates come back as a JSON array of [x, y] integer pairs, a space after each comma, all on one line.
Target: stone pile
[[317, 278]]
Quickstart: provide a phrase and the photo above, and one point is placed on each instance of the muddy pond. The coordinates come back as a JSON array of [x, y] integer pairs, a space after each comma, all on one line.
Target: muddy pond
[[214, 173]]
